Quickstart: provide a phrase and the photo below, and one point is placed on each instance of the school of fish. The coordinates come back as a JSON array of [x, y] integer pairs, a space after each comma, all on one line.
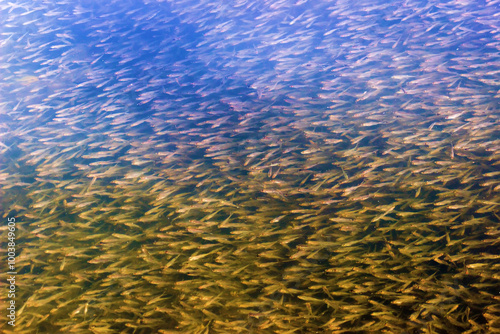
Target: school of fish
[[285, 166]]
